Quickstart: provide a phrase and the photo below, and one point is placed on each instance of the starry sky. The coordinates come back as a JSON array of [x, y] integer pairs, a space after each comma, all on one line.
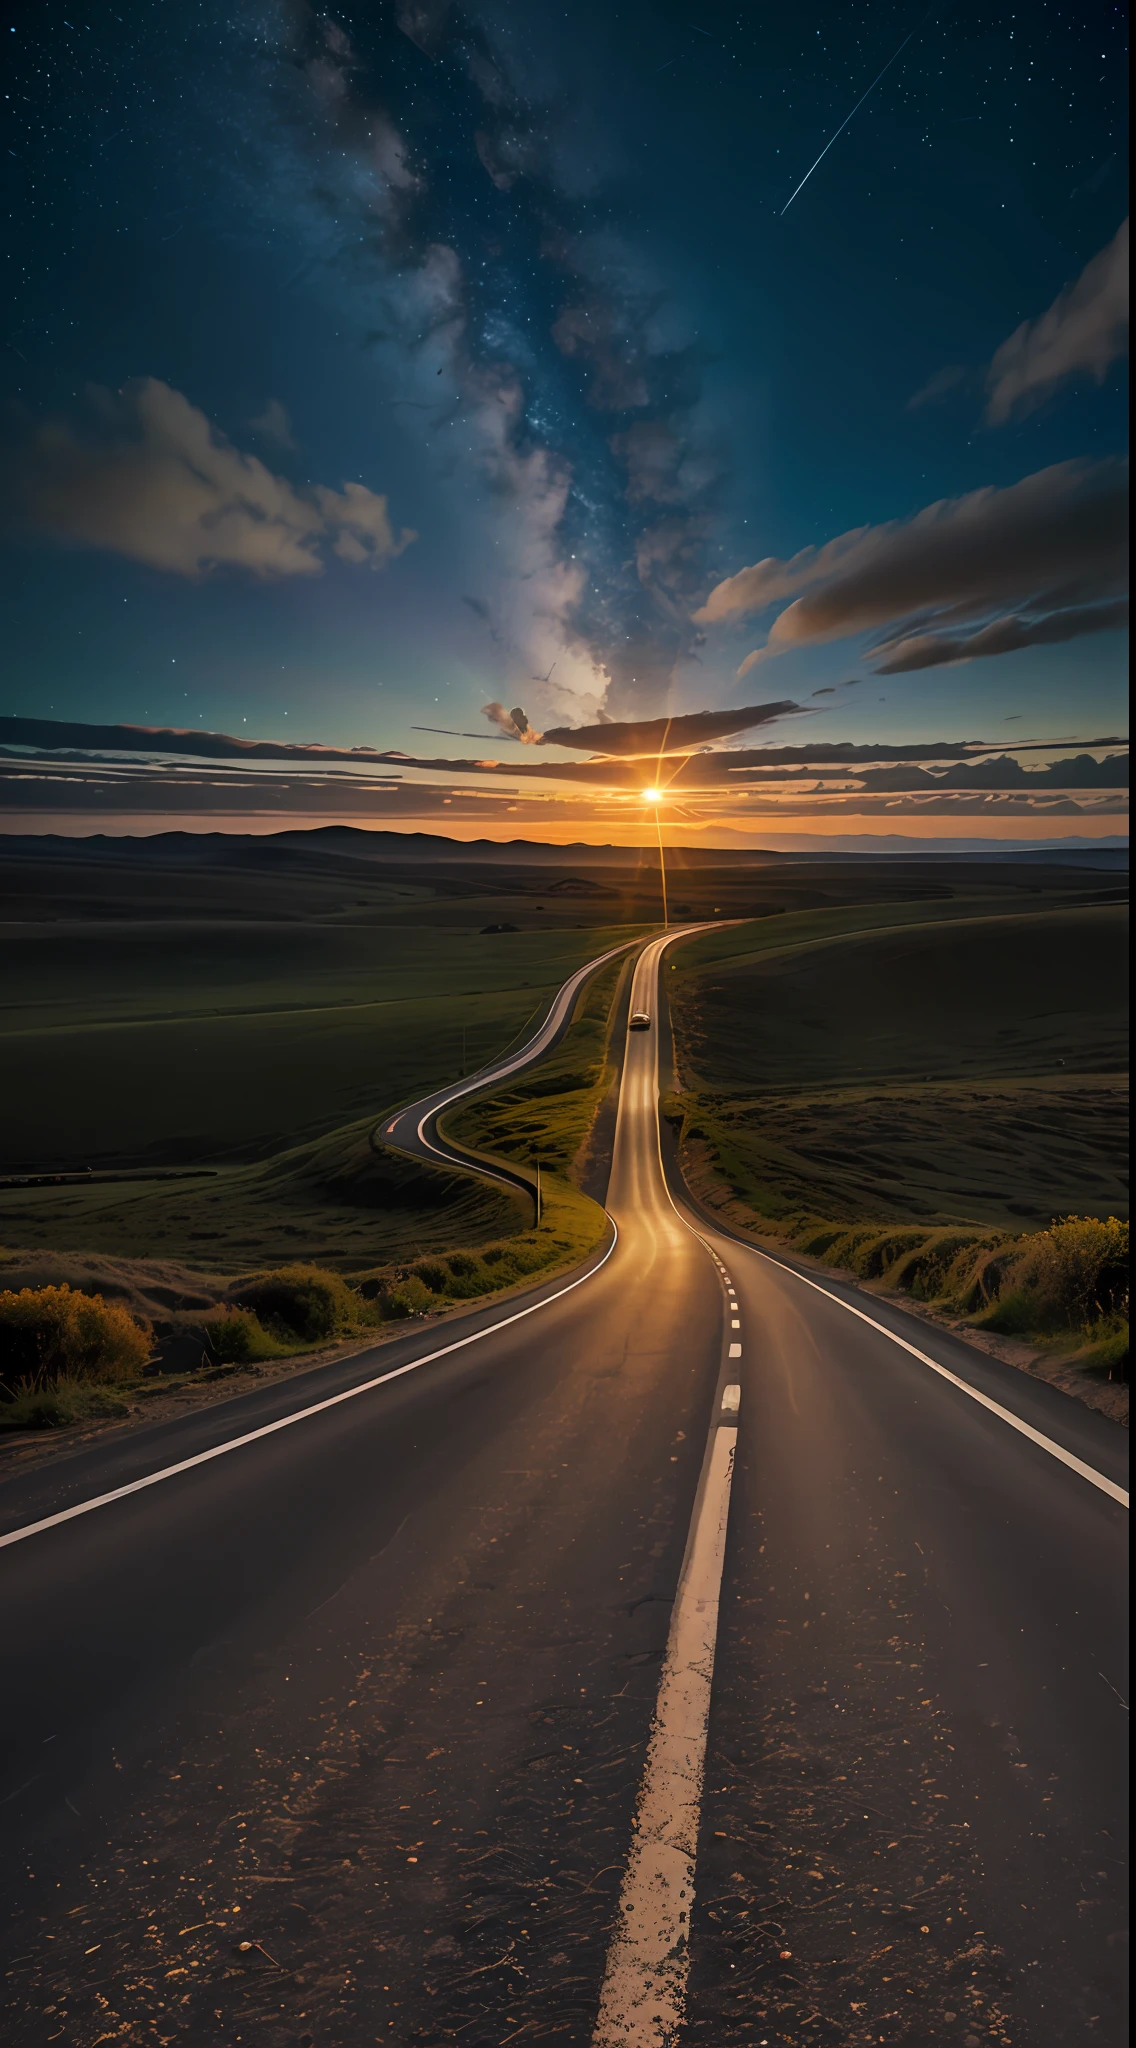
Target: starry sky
[[490, 368]]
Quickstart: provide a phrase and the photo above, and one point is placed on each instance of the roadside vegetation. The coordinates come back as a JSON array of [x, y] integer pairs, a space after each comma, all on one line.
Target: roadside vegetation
[[71, 1355], [238, 1015], [548, 1113], [1064, 1289], [942, 1113]]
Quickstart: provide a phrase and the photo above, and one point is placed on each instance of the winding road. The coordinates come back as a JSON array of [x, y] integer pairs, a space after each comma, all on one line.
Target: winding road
[[692, 1649]]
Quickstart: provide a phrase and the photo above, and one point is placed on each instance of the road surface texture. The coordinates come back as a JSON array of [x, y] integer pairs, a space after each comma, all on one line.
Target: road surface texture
[[344, 1735]]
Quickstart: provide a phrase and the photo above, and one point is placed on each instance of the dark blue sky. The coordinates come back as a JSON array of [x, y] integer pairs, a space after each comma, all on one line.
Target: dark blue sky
[[523, 272]]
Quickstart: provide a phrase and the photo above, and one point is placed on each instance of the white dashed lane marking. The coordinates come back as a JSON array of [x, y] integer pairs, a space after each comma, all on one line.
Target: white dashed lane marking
[[644, 1990]]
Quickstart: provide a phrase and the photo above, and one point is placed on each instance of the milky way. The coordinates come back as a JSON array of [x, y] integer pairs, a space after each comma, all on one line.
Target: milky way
[[517, 324]]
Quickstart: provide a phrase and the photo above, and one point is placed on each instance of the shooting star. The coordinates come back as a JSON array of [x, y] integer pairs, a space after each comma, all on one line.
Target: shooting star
[[855, 110]]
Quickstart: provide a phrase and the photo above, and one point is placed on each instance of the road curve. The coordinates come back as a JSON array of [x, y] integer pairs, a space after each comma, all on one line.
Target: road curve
[[413, 1129], [340, 1733]]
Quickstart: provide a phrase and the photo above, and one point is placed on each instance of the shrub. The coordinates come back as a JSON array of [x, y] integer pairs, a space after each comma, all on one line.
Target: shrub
[[47, 1333], [1013, 1313], [64, 1401], [432, 1273], [815, 1240], [472, 1278], [871, 1256], [923, 1270], [301, 1301], [408, 1297], [240, 1335], [843, 1248], [1076, 1272], [1108, 1353], [975, 1277], [526, 1255]]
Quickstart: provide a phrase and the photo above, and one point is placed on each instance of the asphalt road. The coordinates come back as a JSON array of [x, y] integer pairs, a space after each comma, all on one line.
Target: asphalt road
[[414, 1128], [338, 1736]]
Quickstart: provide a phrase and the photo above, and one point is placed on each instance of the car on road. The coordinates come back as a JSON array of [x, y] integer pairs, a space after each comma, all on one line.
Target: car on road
[[639, 1021]]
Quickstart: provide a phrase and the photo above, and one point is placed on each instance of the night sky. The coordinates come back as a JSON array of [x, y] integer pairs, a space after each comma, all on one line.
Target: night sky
[[366, 368]]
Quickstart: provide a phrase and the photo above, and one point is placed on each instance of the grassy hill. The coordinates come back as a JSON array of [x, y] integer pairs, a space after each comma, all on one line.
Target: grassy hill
[[965, 1070], [248, 1012]]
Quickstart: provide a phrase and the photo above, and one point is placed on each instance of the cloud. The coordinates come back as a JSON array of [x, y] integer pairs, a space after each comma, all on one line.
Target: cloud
[[1001, 636], [40, 786], [149, 477], [1085, 329], [172, 739], [275, 424], [1055, 543], [938, 386], [664, 735], [1002, 772], [90, 768]]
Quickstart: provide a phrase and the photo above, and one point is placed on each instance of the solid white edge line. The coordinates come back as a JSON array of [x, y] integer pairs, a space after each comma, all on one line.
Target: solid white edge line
[[561, 1003], [644, 1988], [528, 1052], [253, 1436], [1045, 1443]]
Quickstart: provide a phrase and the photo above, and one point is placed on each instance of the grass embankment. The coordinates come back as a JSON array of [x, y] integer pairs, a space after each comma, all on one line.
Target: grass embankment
[[904, 1104], [546, 1115], [72, 1355], [133, 1045], [193, 1005], [368, 1016]]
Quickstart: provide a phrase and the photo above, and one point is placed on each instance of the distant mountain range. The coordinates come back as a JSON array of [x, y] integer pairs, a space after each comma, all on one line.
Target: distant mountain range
[[350, 842]]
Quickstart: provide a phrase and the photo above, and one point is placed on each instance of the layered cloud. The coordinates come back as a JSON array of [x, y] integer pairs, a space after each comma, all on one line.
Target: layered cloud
[[1043, 558], [37, 746], [1083, 333], [629, 736], [88, 791], [1002, 636], [170, 739], [148, 476], [660, 736]]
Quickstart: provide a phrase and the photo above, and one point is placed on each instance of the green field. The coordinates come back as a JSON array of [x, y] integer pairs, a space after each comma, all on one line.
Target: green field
[[548, 1114], [151, 1045], [248, 1013], [311, 1035], [256, 1018], [966, 1069]]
